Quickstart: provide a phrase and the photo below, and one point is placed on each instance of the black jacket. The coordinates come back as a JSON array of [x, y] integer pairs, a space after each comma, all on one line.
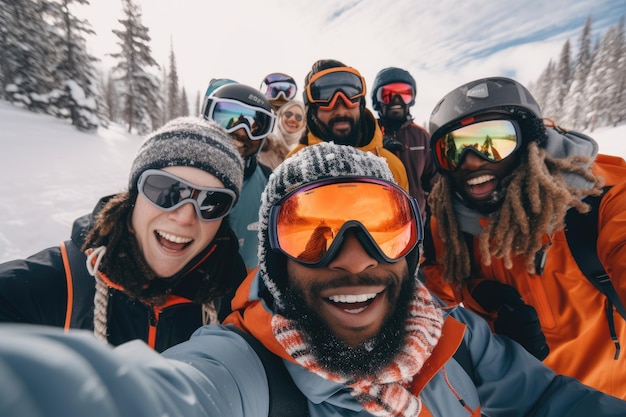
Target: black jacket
[[35, 290]]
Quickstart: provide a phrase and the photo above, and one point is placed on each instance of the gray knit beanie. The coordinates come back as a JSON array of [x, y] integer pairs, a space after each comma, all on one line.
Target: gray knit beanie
[[312, 163], [192, 142]]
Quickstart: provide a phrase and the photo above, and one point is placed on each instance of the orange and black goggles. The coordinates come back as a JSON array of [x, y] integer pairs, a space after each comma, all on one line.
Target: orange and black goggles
[[309, 224], [492, 140], [325, 87]]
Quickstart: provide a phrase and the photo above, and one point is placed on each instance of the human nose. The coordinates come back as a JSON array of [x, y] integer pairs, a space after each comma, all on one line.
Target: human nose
[[185, 214], [352, 256], [471, 161]]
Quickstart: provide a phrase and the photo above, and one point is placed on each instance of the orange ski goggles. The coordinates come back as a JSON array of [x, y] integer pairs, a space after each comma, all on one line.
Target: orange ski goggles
[[309, 224], [325, 87]]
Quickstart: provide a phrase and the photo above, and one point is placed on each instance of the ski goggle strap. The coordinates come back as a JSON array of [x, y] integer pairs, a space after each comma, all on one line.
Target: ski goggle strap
[[308, 225], [386, 93], [323, 87], [168, 192], [492, 140], [233, 115]]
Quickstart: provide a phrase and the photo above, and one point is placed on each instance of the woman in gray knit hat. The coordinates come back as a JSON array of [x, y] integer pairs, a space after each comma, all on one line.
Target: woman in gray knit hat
[[154, 262]]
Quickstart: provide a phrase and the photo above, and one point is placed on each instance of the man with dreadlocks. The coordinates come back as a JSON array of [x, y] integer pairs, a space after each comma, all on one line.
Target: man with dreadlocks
[[498, 226]]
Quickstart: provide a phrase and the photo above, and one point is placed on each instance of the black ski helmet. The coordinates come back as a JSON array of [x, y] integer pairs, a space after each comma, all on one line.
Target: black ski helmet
[[392, 75], [496, 95], [243, 94]]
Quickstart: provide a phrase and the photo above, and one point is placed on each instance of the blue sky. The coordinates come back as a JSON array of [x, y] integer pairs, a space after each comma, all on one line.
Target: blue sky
[[443, 43]]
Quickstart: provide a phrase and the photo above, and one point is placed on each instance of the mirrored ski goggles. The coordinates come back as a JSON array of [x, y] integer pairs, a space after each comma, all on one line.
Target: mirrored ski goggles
[[309, 224], [326, 86], [386, 93], [168, 192], [233, 115], [277, 83], [492, 140]]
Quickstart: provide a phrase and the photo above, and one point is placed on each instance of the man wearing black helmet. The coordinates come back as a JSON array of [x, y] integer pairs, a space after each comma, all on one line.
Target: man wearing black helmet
[[334, 98], [247, 116], [501, 220], [393, 93]]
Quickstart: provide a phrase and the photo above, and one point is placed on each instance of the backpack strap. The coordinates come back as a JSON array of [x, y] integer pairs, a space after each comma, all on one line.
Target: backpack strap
[[286, 400], [581, 231], [80, 288]]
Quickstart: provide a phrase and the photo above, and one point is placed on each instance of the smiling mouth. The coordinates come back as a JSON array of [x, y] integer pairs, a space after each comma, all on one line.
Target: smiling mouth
[[172, 242], [353, 304]]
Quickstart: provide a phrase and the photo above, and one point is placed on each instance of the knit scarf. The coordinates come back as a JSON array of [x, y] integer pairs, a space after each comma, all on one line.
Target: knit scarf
[[388, 392]]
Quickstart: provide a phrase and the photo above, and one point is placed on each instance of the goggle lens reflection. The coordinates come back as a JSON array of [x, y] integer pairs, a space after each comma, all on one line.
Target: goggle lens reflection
[[492, 140]]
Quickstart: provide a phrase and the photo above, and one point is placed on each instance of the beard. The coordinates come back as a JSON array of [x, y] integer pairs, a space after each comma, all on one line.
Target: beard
[[332, 353], [351, 138]]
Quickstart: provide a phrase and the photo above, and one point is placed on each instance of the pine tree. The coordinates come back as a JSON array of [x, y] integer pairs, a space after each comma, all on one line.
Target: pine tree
[[174, 104], [138, 87], [75, 95], [601, 81], [559, 85], [574, 101], [26, 52], [184, 110]]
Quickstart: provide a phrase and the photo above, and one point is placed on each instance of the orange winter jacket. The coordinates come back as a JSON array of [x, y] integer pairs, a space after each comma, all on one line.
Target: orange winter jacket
[[375, 146], [571, 310]]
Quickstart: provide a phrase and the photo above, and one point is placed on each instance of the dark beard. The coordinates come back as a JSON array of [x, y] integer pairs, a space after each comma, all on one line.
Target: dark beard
[[351, 138], [333, 354]]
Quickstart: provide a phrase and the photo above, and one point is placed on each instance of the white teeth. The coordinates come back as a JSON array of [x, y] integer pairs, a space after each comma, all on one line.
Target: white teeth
[[351, 298], [174, 239], [480, 180]]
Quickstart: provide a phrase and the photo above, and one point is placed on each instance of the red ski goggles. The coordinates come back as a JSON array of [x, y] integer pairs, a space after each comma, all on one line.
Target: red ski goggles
[[492, 140], [168, 192], [386, 93], [275, 84], [233, 115], [309, 224], [325, 87]]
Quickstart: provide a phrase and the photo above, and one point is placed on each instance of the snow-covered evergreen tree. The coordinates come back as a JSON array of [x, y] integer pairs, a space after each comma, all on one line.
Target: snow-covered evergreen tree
[[184, 102], [601, 81], [558, 87], [75, 93], [139, 88], [574, 102], [174, 104], [27, 52]]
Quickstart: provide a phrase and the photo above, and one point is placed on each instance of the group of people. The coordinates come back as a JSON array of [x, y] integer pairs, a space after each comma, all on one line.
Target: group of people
[[443, 281]]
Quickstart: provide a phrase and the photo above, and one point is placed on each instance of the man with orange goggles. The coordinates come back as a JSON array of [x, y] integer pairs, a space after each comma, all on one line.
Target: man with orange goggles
[[393, 94], [505, 235], [349, 330], [334, 98]]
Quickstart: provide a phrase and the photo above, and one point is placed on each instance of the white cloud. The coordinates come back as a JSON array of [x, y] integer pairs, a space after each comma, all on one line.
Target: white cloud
[[442, 43]]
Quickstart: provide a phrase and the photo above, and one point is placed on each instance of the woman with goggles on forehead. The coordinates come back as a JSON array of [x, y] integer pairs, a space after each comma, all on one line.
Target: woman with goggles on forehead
[[509, 186], [247, 116], [334, 99], [151, 263]]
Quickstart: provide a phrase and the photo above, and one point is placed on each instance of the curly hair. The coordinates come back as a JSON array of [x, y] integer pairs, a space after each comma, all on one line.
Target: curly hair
[[537, 198]]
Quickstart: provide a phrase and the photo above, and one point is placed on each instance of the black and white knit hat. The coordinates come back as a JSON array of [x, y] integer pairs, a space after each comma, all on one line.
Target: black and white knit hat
[[312, 163], [192, 142]]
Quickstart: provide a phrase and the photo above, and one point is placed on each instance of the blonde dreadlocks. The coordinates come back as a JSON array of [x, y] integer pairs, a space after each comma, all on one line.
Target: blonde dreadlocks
[[537, 198]]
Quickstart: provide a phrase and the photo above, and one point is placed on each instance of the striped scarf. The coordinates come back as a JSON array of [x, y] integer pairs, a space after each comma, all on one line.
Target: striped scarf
[[388, 392]]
